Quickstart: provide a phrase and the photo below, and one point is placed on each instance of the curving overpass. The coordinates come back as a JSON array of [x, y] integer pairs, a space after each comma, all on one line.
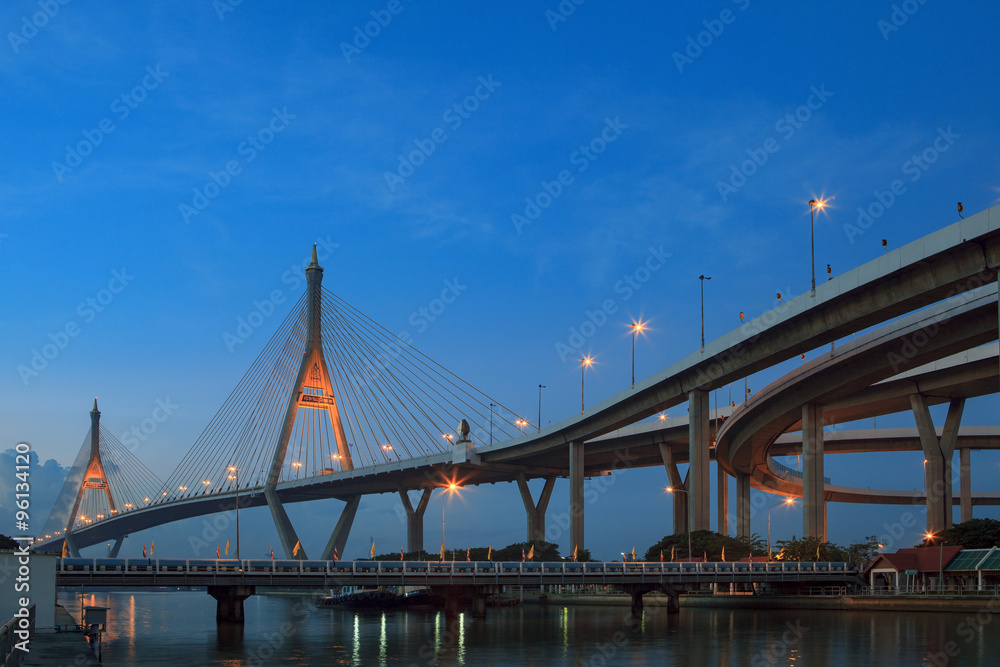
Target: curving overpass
[[949, 262]]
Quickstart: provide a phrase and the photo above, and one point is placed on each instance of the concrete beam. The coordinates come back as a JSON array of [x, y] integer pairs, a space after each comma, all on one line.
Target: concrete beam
[[338, 539], [535, 512], [286, 532], [699, 444], [813, 486], [742, 505], [680, 496], [117, 547]]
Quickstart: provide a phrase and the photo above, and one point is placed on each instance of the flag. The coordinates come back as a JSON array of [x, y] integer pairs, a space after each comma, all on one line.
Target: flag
[[335, 557], [295, 549], [633, 553], [522, 554], [217, 554], [531, 552], [704, 556], [723, 554], [467, 553], [400, 553], [671, 553], [489, 554], [661, 555], [817, 553], [143, 550], [372, 555], [64, 551], [272, 553], [442, 552], [152, 547], [227, 547], [574, 552]]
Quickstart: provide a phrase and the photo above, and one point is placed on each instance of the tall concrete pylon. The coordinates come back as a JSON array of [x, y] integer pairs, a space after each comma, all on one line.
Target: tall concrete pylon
[[93, 478], [314, 375]]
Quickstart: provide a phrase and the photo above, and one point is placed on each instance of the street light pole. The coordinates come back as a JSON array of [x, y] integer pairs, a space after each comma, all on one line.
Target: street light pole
[[236, 476], [786, 501], [540, 387], [444, 497], [636, 328], [703, 279], [813, 205], [671, 489], [586, 361]]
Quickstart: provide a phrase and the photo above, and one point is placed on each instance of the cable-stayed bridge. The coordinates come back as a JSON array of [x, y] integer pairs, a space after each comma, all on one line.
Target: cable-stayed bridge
[[335, 406]]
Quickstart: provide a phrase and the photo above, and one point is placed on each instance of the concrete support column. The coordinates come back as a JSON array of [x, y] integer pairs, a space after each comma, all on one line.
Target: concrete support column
[[813, 485], [338, 539], [414, 519], [938, 454], [699, 444], [229, 602], [117, 547], [965, 483], [742, 505], [723, 499], [286, 532], [680, 498], [535, 511], [576, 507]]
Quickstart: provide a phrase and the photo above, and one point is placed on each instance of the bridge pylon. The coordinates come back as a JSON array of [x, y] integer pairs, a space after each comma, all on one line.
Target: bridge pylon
[[312, 390], [93, 478]]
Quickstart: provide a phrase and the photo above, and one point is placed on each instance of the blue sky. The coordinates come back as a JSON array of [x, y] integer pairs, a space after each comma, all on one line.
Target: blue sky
[[185, 156]]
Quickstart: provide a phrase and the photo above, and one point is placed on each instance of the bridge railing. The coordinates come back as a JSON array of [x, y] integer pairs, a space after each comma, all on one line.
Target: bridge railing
[[432, 568]]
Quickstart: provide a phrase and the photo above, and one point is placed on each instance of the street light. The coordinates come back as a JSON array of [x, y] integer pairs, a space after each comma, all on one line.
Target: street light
[[671, 489], [584, 363], [786, 501], [540, 387], [236, 476], [637, 327], [450, 488], [813, 205], [520, 425], [703, 279]]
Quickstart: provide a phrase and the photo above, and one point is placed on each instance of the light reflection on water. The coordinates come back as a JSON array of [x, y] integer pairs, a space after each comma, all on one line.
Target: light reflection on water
[[170, 628]]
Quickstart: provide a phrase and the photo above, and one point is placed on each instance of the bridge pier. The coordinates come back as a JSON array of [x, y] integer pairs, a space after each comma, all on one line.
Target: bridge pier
[[117, 547], [414, 519], [286, 532], [742, 505], [229, 602], [699, 444], [535, 511], [71, 549], [338, 539], [723, 499], [813, 485], [576, 498], [680, 499], [938, 454], [965, 483]]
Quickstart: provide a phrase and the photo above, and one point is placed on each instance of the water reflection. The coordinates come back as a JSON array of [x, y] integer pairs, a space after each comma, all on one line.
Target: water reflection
[[169, 628]]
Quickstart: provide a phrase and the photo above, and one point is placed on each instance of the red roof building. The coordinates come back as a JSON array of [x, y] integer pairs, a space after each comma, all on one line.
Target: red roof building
[[909, 567]]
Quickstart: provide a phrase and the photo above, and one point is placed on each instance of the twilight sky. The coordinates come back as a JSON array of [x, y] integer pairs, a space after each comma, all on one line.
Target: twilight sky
[[166, 168]]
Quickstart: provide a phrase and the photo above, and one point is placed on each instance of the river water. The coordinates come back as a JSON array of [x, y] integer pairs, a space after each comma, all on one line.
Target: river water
[[179, 628]]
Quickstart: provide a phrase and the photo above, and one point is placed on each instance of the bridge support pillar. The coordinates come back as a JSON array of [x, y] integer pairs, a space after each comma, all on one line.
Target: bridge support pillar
[[699, 444], [965, 483], [535, 511], [286, 533], [680, 499], [637, 602], [723, 499], [576, 506], [117, 547], [742, 505], [938, 454], [414, 519], [71, 549], [229, 602], [813, 485], [338, 539]]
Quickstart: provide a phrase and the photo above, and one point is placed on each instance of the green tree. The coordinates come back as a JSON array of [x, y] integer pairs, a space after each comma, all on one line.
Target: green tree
[[862, 553], [810, 549], [971, 534], [705, 543]]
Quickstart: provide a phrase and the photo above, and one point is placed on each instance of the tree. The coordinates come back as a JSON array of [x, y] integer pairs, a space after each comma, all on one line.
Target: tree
[[862, 553], [706, 543], [810, 549], [971, 534], [8, 543]]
